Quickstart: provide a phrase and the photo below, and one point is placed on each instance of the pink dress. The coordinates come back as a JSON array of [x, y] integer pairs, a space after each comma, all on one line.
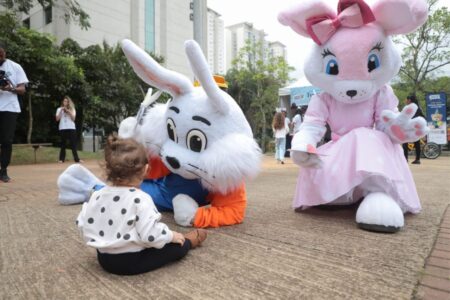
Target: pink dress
[[360, 159]]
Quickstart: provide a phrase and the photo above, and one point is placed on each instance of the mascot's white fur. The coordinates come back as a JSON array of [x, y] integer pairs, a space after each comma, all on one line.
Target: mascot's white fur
[[352, 62], [201, 147]]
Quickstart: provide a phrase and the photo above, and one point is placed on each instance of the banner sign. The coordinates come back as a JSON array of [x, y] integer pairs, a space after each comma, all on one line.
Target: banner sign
[[302, 95], [437, 117]]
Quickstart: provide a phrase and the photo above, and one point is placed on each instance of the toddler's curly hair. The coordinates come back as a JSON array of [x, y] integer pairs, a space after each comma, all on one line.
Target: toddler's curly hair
[[124, 159]]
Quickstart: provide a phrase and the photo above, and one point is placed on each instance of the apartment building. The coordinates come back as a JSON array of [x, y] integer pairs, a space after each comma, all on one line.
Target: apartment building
[[159, 26], [277, 49], [216, 42], [237, 36]]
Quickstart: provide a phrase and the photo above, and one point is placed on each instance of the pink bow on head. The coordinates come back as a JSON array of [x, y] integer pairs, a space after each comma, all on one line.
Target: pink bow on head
[[351, 13]]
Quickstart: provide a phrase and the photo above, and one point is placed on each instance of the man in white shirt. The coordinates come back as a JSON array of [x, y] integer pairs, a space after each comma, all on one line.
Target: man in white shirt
[[297, 120], [12, 83]]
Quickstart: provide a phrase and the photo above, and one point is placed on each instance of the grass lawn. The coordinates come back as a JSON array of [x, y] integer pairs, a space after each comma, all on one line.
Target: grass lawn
[[24, 155]]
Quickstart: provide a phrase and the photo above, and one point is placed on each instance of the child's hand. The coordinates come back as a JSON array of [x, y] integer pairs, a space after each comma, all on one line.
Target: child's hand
[[177, 238]]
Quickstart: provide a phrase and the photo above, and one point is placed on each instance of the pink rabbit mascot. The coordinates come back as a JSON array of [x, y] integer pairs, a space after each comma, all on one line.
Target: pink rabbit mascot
[[352, 62]]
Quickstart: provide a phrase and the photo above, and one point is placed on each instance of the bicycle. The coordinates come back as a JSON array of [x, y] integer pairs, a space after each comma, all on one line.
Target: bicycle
[[429, 150]]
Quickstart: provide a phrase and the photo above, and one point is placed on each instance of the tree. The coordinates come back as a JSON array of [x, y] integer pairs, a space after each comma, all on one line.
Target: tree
[[426, 50], [42, 61], [71, 8], [254, 81], [112, 90]]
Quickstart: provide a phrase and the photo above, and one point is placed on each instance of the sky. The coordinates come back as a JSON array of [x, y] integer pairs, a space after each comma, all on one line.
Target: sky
[[263, 15]]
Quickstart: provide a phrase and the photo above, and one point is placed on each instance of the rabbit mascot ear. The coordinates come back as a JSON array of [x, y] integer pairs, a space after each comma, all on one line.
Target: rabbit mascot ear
[[195, 136], [152, 73], [352, 61]]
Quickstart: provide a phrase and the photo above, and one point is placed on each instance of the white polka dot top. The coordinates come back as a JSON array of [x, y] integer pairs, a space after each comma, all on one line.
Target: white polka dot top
[[122, 219]]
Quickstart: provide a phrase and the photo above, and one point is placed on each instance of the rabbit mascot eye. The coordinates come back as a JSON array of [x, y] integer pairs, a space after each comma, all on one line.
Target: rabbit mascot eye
[[201, 147], [352, 61]]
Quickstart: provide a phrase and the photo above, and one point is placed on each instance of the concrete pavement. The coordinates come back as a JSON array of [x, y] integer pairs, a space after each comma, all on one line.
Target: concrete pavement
[[275, 254]]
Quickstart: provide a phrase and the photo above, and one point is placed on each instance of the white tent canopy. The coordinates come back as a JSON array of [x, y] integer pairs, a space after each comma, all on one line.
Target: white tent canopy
[[302, 82]]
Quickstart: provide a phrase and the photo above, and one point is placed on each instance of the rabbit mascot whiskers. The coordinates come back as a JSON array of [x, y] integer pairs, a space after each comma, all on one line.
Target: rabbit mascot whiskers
[[352, 61], [201, 147]]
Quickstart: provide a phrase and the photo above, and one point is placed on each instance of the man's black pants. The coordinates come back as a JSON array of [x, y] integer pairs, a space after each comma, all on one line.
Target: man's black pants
[[7, 128]]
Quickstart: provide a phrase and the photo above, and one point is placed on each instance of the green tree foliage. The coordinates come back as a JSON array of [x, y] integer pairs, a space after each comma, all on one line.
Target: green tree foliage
[[440, 84], [51, 75], [254, 81], [113, 90], [426, 51], [99, 79], [71, 8]]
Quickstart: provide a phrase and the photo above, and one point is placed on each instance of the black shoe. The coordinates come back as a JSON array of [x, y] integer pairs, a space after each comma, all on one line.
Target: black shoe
[[4, 176], [416, 162]]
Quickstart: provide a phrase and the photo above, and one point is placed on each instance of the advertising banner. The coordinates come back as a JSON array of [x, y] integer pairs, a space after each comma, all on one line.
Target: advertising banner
[[302, 95], [437, 117]]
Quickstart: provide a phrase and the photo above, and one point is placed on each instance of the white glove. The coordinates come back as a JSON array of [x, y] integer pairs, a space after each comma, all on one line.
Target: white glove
[[401, 127], [303, 154], [184, 210], [127, 128]]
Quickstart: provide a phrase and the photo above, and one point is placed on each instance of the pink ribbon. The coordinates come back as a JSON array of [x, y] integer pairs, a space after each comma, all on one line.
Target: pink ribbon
[[351, 13]]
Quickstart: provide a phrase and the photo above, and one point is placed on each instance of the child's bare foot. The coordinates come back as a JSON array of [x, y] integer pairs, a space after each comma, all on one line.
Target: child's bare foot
[[196, 237]]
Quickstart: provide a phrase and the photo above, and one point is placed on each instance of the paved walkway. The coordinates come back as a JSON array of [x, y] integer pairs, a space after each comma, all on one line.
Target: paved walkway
[[275, 254], [435, 282]]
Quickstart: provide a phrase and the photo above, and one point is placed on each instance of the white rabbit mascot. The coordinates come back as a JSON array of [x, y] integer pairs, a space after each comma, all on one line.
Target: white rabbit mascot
[[201, 147], [352, 61]]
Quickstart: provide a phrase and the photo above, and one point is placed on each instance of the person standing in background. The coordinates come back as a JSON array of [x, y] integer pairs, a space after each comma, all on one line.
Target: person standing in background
[[65, 115], [412, 99], [287, 124], [297, 120], [12, 83], [280, 129]]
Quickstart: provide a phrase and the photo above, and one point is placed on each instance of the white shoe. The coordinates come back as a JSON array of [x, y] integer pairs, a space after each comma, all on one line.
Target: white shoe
[[75, 185], [379, 212]]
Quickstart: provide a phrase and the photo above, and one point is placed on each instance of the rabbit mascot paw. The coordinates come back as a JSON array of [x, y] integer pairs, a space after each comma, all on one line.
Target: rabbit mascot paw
[[352, 61], [201, 147]]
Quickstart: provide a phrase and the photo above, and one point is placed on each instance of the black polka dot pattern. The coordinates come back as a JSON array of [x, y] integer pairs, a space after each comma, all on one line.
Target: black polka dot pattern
[[76, 222], [130, 222], [116, 198], [137, 200], [164, 231], [132, 190], [103, 209], [137, 218], [123, 211], [92, 240], [91, 220], [151, 238], [126, 237], [118, 235], [101, 233], [110, 222], [98, 197]]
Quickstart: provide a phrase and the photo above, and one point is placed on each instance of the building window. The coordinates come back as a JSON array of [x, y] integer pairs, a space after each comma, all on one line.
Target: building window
[[48, 15], [150, 25], [26, 23]]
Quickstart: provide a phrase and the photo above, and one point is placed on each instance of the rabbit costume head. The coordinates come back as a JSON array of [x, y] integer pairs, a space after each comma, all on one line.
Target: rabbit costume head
[[201, 133], [354, 55]]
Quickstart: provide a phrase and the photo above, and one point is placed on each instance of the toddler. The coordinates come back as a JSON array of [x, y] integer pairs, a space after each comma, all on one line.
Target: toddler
[[122, 222]]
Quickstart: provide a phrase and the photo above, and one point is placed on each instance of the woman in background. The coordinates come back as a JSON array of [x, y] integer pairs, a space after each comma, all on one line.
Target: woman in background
[[280, 129], [65, 115]]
